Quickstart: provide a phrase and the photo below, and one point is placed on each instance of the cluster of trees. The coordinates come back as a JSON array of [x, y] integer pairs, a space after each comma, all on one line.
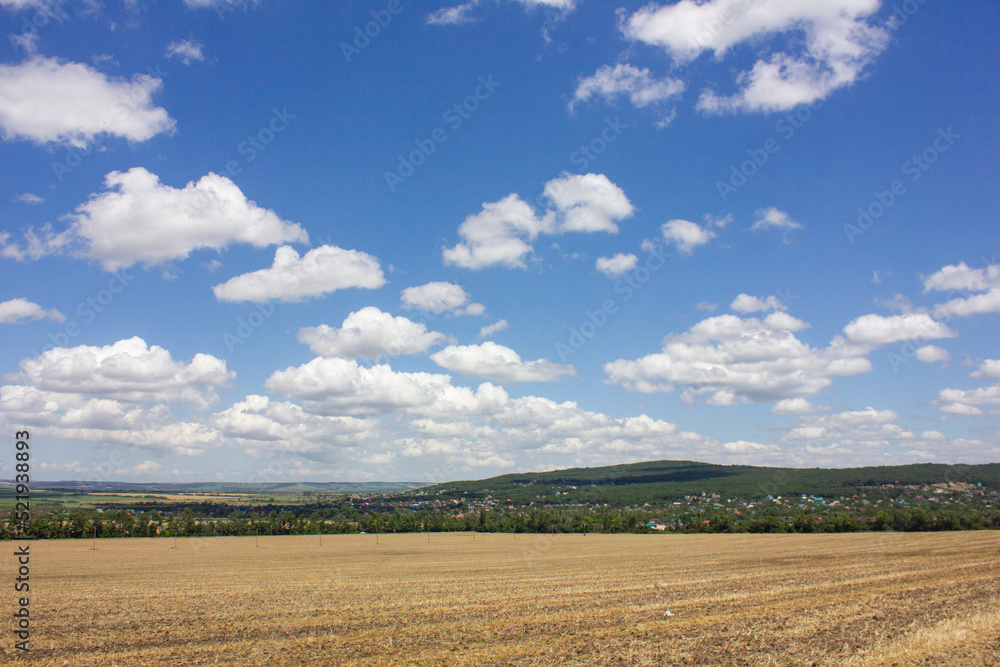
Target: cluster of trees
[[121, 523]]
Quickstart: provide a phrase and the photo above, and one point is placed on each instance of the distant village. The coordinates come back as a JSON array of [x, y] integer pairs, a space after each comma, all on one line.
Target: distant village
[[570, 509]]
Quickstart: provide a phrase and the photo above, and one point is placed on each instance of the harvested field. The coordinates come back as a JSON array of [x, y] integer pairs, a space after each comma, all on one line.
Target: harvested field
[[858, 600]]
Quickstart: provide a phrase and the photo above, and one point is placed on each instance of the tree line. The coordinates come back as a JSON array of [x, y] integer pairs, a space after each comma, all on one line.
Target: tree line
[[121, 523]]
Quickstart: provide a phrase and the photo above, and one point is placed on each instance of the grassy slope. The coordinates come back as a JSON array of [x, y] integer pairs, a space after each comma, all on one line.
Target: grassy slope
[[669, 480]]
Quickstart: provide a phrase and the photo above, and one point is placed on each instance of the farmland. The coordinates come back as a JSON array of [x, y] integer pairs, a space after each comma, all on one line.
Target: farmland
[[503, 599]]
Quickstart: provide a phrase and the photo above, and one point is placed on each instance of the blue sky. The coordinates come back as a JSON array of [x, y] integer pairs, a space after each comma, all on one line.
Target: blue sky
[[289, 240]]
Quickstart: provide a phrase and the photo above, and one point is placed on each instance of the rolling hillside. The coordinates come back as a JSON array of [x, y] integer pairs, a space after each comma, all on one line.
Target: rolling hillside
[[655, 481]]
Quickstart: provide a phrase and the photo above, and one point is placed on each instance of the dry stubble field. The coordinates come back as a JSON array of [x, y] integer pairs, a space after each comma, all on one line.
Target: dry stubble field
[[859, 600]]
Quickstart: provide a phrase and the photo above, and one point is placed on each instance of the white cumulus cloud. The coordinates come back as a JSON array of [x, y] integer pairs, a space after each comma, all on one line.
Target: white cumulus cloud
[[808, 48], [491, 329], [686, 235], [961, 278], [588, 203], [744, 303], [876, 330], [990, 368], [793, 406], [129, 370], [187, 50], [139, 220], [441, 297], [641, 87], [17, 311], [773, 218], [370, 333], [47, 101], [452, 15], [930, 354], [293, 278], [497, 234], [501, 233], [617, 265], [497, 362], [740, 360], [970, 402]]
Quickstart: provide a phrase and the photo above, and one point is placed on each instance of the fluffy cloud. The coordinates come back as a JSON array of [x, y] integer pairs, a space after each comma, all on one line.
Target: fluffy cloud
[[979, 304], [623, 79], [969, 402], [264, 426], [617, 265], [588, 203], [955, 277], [746, 447], [129, 371], [772, 218], [117, 394], [960, 277], [793, 406], [341, 386], [293, 278], [188, 50], [930, 354], [496, 235], [686, 235], [875, 330], [745, 303], [836, 36], [441, 297], [461, 427], [861, 431], [741, 360], [370, 333], [17, 311], [496, 362], [139, 220], [51, 102], [871, 437], [491, 329], [452, 15], [501, 232], [990, 368]]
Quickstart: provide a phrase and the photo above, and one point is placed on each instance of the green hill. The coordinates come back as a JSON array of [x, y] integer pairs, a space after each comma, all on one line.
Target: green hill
[[657, 481]]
